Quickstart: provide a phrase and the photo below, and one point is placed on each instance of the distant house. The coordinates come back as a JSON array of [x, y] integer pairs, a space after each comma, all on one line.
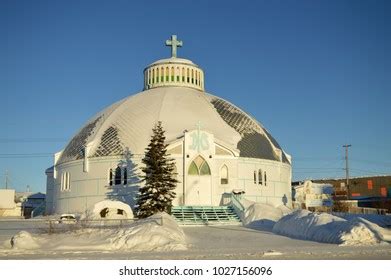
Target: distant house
[[313, 196], [33, 202], [366, 191], [8, 205]]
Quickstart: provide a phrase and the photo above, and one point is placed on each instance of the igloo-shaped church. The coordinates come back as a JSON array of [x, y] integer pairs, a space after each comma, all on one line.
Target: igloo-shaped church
[[218, 148]]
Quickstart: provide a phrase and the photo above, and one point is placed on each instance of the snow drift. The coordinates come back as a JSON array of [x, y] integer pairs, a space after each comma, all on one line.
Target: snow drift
[[108, 209], [262, 216], [159, 232], [303, 224]]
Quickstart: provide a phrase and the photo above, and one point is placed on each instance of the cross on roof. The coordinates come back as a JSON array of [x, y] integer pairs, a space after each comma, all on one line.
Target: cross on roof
[[174, 43]]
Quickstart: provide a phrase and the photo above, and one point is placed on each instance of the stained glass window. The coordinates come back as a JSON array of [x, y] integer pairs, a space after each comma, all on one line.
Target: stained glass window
[[199, 167], [193, 170]]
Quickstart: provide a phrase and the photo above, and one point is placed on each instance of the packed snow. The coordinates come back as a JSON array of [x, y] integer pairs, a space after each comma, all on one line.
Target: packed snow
[[110, 208], [380, 220], [159, 232], [262, 216], [303, 224], [348, 229]]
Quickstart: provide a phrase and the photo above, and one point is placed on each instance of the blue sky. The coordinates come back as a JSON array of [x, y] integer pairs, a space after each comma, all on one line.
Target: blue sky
[[316, 74]]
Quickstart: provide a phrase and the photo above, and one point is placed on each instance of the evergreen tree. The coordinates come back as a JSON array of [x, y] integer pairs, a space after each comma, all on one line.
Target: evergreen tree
[[159, 182]]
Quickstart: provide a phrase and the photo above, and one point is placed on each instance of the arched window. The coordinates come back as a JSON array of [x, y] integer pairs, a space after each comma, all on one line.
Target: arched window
[[192, 76], [153, 76], [125, 175], [111, 181], [68, 185], [265, 178], [199, 167], [118, 176], [224, 175], [167, 74], [255, 176], [188, 75], [157, 75], [183, 74], [172, 74], [260, 177], [65, 184], [162, 75], [177, 74]]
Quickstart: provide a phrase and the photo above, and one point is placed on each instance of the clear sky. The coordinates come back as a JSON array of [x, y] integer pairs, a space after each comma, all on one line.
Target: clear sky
[[316, 74]]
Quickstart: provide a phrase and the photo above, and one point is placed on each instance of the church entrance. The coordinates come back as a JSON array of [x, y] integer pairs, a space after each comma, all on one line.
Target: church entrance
[[199, 182]]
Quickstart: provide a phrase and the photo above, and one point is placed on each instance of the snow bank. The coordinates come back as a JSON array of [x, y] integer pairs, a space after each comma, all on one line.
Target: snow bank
[[24, 240], [263, 216], [380, 220], [327, 228], [150, 235], [159, 232], [110, 210]]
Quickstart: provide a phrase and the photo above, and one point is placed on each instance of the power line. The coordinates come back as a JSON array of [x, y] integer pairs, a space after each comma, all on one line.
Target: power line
[[26, 155], [31, 140]]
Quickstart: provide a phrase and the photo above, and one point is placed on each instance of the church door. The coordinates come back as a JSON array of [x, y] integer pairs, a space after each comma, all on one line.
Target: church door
[[199, 182]]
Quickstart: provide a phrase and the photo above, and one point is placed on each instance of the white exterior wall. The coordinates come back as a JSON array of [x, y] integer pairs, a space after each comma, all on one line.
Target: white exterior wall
[[8, 207], [7, 199], [88, 188], [49, 192]]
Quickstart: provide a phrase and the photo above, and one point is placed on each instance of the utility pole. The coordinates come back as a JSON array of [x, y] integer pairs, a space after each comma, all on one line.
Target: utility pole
[[347, 167], [6, 179]]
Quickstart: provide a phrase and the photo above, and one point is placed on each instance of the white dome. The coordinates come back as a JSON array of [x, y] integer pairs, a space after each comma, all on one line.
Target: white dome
[[128, 123]]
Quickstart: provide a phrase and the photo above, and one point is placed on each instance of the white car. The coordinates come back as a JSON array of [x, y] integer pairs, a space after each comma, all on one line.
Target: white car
[[67, 219]]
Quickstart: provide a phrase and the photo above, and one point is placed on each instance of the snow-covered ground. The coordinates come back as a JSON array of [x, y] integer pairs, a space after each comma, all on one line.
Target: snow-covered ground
[[220, 242], [159, 232], [270, 233], [353, 231]]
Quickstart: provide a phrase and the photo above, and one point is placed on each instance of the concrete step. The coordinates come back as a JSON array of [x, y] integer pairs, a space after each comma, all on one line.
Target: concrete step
[[198, 215]]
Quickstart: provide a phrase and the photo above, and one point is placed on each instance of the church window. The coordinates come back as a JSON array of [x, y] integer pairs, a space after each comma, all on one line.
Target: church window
[[111, 180], [260, 177], [118, 176], [188, 75], [68, 185], [125, 176], [153, 76], [193, 170], [205, 170], [65, 182], [199, 167], [162, 75], [177, 74], [265, 178], [183, 74], [224, 175], [167, 74], [192, 76], [172, 74], [157, 75], [255, 176]]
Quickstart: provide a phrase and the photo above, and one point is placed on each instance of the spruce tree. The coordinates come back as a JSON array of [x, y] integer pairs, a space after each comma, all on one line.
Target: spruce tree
[[159, 182]]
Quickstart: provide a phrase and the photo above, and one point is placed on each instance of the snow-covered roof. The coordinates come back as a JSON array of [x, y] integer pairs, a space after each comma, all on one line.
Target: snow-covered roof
[[128, 123], [176, 60]]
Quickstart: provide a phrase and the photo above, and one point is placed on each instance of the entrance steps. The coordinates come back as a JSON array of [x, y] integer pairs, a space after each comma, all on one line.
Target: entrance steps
[[205, 215]]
